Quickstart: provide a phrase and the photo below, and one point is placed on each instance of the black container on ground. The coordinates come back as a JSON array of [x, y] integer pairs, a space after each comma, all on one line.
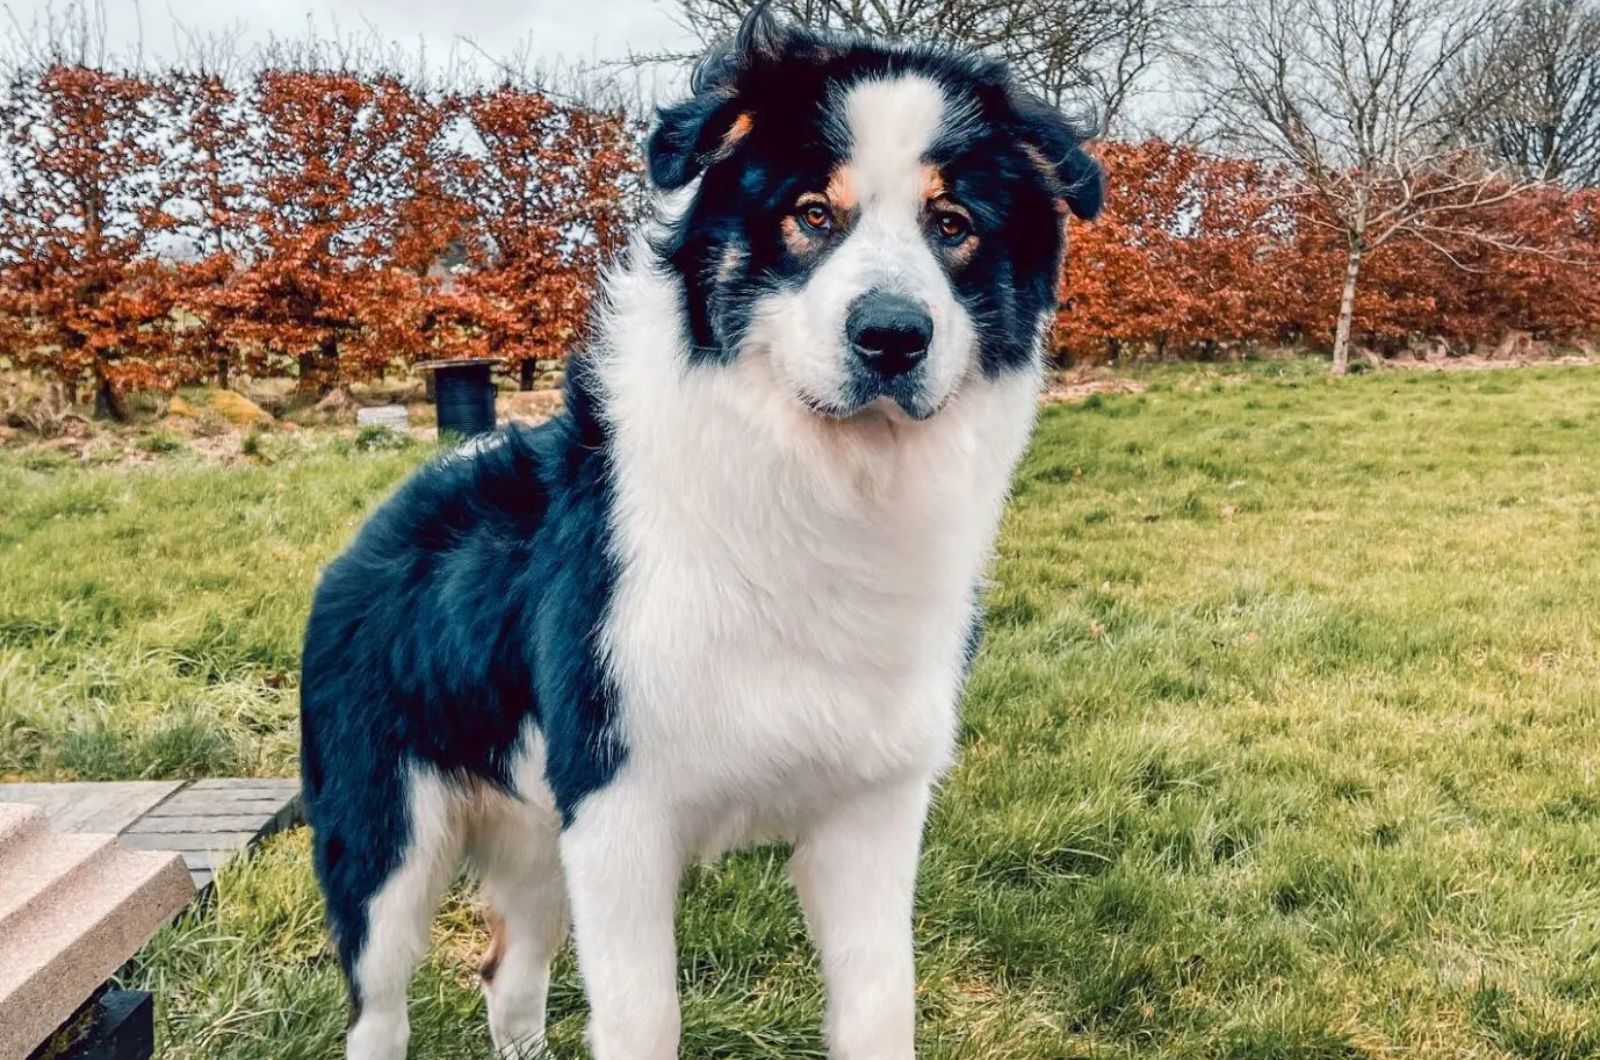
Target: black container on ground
[[463, 396]]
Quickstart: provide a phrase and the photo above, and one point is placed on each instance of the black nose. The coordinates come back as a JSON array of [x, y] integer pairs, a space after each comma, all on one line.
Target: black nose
[[889, 332]]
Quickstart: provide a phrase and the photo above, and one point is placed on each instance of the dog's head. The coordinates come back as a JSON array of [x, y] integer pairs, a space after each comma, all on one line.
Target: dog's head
[[881, 223]]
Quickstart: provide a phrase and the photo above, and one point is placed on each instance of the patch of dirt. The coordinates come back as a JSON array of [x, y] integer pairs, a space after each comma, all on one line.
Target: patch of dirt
[[1477, 362], [32, 407], [221, 448], [336, 406], [1083, 383], [530, 406]]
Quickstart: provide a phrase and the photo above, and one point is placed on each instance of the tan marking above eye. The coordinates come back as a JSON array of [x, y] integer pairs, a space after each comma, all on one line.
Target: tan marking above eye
[[738, 130], [932, 183], [841, 189]]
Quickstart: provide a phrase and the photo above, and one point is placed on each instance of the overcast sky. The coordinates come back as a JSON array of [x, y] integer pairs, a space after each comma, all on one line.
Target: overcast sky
[[557, 33]]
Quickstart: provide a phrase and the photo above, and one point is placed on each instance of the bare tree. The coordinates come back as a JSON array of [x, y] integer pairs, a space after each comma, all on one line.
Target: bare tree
[[894, 19], [1086, 52], [1546, 118], [1356, 99]]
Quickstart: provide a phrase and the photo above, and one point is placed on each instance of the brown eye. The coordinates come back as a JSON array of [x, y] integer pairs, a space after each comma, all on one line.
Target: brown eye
[[817, 217], [952, 227]]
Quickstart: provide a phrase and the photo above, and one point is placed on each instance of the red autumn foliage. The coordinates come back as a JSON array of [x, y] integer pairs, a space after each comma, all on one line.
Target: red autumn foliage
[[549, 195], [322, 290], [1198, 252], [1190, 250], [334, 225], [211, 136], [322, 223], [85, 198]]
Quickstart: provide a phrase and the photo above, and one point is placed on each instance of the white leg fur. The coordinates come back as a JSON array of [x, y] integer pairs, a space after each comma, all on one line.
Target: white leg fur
[[856, 874], [515, 848], [623, 867], [398, 916]]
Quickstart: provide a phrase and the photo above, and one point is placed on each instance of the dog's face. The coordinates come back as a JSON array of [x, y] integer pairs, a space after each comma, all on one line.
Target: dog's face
[[879, 225]]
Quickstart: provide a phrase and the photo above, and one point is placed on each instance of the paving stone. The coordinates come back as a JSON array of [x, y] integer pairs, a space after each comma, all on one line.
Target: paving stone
[[182, 841], [252, 823], [204, 804], [107, 808]]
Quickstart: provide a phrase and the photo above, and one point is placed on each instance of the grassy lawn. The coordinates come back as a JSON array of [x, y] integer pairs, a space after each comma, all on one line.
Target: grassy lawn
[[1283, 741]]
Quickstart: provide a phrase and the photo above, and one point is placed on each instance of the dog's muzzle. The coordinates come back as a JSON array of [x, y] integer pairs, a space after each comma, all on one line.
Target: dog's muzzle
[[888, 336]]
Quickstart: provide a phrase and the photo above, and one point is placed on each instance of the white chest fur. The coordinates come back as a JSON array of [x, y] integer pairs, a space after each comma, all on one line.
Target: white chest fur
[[794, 595]]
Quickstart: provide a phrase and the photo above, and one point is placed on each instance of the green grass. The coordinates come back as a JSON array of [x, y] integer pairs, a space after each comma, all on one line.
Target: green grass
[[1284, 740]]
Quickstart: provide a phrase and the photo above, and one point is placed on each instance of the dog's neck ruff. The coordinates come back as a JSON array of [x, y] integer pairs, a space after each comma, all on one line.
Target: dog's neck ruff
[[786, 580]]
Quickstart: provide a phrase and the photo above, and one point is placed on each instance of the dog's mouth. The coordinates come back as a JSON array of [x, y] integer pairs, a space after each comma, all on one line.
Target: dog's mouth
[[910, 406], [912, 397]]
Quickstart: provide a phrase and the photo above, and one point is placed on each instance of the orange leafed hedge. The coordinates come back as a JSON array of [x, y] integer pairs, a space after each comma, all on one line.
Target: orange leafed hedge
[[334, 225], [326, 224], [1196, 252]]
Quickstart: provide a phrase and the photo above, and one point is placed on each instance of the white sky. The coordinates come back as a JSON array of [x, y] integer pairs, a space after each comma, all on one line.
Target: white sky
[[556, 34]]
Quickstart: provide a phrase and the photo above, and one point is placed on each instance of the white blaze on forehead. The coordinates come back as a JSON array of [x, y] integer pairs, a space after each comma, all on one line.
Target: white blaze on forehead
[[892, 124]]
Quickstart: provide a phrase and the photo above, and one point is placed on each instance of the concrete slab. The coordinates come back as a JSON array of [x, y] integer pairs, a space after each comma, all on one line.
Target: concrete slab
[[77, 907], [108, 808]]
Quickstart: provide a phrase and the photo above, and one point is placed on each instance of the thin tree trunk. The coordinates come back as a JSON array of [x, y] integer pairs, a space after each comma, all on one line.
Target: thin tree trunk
[[529, 371], [224, 370], [319, 369], [328, 364], [1347, 310], [107, 401]]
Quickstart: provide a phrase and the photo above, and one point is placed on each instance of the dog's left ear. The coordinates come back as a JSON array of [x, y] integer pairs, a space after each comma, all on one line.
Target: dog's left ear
[[1055, 145], [708, 126]]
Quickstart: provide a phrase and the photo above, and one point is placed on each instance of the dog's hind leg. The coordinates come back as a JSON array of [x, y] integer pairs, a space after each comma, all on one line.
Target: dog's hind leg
[[391, 928], [515, 848]]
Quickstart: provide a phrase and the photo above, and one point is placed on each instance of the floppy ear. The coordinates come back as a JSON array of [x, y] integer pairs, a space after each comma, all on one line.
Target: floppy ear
[[707, 127], [1055, 145], [693, 134]]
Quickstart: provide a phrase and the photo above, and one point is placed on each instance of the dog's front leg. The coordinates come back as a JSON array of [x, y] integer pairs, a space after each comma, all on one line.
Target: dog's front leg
[[856, 873], [622, 868]]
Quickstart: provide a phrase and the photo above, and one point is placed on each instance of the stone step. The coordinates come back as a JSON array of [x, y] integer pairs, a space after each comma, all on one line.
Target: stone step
[[19, 823], [47, 860], [78, 907]]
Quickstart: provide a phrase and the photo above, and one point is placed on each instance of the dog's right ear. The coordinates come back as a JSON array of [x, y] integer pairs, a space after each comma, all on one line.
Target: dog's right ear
[[708, 126]]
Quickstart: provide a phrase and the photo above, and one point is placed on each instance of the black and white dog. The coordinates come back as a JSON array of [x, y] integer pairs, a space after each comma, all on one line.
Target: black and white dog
[[729, 595]]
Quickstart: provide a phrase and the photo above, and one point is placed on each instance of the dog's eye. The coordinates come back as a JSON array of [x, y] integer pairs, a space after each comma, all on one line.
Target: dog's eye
[[952, 227], [817, 217]]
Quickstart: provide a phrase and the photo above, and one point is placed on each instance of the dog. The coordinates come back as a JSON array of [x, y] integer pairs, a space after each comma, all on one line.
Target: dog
[[730, 594]]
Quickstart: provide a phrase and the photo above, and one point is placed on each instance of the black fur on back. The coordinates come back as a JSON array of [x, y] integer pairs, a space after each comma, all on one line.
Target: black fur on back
[[466, 607]]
